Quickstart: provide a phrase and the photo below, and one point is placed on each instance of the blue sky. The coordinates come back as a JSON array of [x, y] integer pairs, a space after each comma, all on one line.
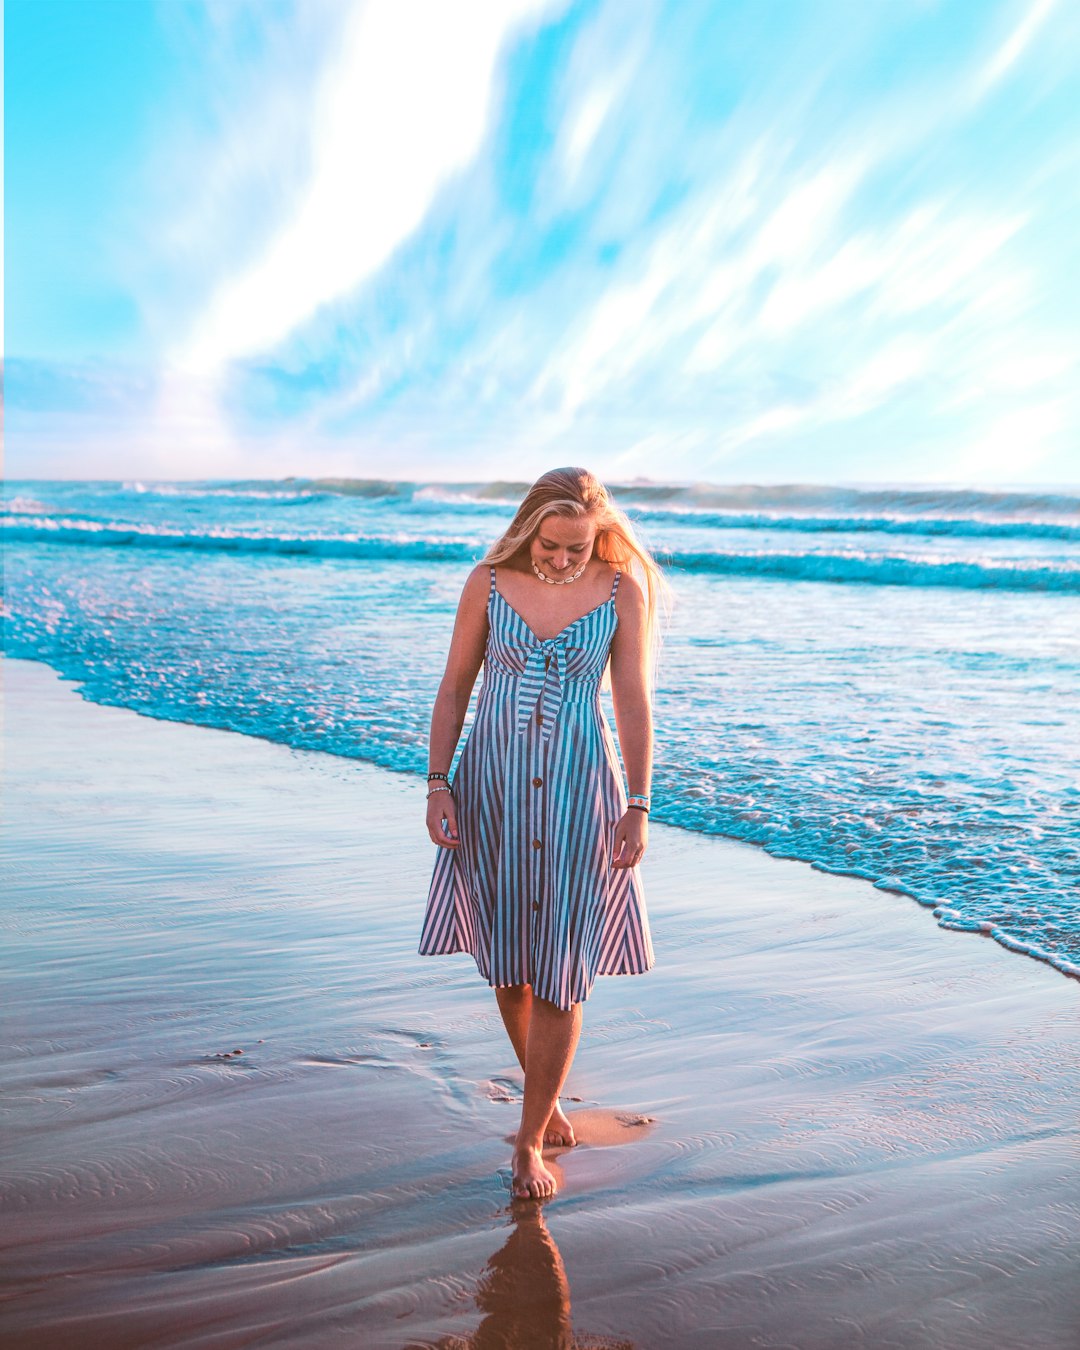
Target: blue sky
[[729, 240]]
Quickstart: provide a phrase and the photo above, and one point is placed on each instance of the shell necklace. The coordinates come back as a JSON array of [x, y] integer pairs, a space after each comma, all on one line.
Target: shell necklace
[[565, 581]]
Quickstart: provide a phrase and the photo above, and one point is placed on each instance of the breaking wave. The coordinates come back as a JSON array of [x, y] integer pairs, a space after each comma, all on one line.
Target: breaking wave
[[842, 565]]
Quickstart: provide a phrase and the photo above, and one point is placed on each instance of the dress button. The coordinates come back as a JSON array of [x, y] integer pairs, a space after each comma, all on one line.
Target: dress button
[[536, 905], [536, 843], [538, 782], [540, 718]]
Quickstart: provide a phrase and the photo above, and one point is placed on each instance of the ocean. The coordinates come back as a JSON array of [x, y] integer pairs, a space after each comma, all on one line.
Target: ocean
[[882, 682]]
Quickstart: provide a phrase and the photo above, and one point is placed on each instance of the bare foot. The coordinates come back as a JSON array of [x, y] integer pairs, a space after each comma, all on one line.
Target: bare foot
[[532, 1180], [559, 1133]]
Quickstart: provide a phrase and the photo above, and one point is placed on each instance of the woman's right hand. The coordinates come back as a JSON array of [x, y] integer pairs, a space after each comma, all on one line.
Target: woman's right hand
[[441, 808]]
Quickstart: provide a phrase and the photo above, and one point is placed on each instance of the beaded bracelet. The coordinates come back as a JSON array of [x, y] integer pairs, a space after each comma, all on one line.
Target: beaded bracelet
[[438, 777], [640, 800], [440, 788]]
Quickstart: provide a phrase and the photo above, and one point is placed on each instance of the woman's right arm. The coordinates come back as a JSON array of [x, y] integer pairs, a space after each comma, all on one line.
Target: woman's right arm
[[452, 701]]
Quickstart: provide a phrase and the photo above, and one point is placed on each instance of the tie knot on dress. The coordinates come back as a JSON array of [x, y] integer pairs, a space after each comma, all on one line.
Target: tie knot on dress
[[542, 684]]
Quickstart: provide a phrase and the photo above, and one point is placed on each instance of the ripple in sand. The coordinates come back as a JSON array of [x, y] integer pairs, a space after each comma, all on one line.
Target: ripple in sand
[[70, 1081], [346, 1061]]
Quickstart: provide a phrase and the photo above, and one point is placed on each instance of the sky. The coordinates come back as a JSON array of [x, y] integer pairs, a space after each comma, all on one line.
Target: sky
[[819, 241]]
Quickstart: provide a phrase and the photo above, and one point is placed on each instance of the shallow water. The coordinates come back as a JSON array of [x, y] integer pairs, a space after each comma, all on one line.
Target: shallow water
[[884, 683]]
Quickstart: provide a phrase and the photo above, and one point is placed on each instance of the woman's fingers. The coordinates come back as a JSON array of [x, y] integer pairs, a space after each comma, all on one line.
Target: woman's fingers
[[442, 822], [629, 844], [629, 841]]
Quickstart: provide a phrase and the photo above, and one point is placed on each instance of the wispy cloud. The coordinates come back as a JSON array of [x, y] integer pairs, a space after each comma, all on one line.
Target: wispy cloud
[[1012, 48], [672, 238], [403, 108]]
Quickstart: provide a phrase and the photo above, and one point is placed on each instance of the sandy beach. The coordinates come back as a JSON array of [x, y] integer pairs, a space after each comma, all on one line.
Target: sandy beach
[[239, 1110]]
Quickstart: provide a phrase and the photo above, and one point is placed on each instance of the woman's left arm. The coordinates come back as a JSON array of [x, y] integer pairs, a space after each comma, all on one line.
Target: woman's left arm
[[633, 717]]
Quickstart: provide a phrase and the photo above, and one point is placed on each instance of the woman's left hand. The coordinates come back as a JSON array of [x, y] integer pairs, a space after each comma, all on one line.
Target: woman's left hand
[[631, 839]]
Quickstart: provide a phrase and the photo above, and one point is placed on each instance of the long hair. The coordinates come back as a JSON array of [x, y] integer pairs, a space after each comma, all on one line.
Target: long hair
[[577, 492]]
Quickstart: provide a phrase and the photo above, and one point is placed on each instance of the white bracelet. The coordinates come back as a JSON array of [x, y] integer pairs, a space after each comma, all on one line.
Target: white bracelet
[[432, 791]]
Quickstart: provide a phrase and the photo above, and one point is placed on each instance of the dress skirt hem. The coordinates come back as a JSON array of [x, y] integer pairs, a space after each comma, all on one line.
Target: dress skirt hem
[[551, 996]]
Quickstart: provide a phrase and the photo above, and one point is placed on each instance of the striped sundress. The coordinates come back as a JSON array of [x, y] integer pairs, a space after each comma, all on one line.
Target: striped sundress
[[530, 891]]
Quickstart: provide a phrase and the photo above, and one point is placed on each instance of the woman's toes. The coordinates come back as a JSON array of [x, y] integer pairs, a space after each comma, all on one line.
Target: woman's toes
[[559, 1132], [532, 1180]]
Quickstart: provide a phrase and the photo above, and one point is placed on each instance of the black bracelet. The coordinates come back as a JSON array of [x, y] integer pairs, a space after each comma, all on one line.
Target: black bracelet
[[634, 807], [438, 777]]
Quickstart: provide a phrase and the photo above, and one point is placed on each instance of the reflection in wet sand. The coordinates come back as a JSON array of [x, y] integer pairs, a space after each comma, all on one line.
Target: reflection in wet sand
[[524, 1296]]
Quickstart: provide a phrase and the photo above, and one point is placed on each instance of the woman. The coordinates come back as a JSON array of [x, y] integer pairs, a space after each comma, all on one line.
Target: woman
[[539, 845]]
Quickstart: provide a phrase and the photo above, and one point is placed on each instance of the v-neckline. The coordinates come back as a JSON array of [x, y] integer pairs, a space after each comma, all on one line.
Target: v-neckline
[[565, 628]]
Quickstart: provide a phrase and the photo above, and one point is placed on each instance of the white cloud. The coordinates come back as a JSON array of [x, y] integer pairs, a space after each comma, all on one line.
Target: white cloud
[[1010, 51], [1027, 370], [584, 125], [668, 274], [404, 108], [762, 272], [614, 338], [1015, 443]]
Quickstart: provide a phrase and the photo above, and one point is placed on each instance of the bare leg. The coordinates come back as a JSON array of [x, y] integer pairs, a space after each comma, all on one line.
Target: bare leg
[[515, 1004], [549, 1052]]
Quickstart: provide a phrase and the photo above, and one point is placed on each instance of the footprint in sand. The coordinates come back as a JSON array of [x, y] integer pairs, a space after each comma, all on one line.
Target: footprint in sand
[[502, 1090], [605, 1127], [601, 1127]]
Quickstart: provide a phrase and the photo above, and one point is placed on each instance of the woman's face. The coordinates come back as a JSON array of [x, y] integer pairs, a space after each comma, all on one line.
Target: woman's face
[[562, 544]]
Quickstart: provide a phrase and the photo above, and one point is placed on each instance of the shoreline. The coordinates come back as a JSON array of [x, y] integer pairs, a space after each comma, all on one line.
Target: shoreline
[[986, 929], [817, 1118]]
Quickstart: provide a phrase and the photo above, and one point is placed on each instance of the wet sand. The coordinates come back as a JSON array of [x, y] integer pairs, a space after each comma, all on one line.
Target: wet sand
[[238, 1109]]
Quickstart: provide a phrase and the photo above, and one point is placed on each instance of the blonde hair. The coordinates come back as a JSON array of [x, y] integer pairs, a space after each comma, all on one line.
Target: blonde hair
[[576, 492]]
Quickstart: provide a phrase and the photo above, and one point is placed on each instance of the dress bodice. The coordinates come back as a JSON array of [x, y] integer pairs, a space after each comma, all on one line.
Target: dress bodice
[[549, 672]]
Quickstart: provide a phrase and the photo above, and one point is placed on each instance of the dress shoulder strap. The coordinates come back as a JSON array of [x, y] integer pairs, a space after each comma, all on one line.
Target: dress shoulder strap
[[491, 588], [615, 583]]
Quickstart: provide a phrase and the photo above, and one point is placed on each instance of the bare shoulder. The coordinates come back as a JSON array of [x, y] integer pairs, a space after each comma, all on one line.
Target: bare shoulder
[[629, 598], [478, 580], [474, 594]]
